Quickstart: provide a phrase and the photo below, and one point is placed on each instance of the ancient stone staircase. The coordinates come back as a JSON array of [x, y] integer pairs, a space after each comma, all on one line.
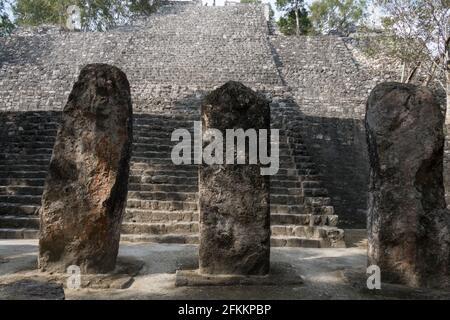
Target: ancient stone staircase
[[170, 61], [163, 198]]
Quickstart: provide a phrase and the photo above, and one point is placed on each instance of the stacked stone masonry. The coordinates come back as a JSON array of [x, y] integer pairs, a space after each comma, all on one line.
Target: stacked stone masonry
[[172, 59]]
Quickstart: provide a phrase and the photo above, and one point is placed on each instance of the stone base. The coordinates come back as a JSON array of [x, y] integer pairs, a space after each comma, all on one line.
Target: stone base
[[357, 278], [280, 274], [121, 278]]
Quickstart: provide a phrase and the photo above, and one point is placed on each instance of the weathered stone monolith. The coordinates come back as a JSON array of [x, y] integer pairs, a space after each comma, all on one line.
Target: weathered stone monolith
[[408, 226], [234, 198], [86, 188]]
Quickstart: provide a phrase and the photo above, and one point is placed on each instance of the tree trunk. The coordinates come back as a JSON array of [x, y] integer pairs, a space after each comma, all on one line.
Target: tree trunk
[[413, 73], [447, 112], [297, 22], [402, 79]]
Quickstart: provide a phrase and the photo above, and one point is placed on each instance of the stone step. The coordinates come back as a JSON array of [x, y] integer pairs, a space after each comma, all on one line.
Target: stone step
[[165, 196], [285, 184], [153, 140], [279, 177], [317, 201], [281, 241], [159, 228], [315, 192], [22, 199], [150, 160], [24, 157], [19, 222], [23, 182], [312, 184], [293, 209], [285, 191], [31, 145], [286, 199], [24, 138], [36, 131], [18, 209], [306, 172], [145, 131], [310, 232], [23, 167], [169, 125], [287, 171], [139, 215], [26, 162], [164, 179], [23, 233], [163, 167], [177, 173], [303, 219], [21, 190], [162, 205], [160, 123], [30, 151], [162, 187], [166, 238], [23, 174]]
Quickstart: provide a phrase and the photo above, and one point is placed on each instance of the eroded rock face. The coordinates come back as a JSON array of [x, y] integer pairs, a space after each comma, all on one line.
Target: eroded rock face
[[86, 188], [234, 199], [408, 226]]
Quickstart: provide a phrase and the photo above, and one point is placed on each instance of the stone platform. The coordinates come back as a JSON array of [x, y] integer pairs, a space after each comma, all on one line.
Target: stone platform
[[280, 274]]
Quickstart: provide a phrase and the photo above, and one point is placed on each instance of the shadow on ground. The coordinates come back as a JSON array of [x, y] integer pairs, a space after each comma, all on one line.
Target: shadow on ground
[[327, 274]]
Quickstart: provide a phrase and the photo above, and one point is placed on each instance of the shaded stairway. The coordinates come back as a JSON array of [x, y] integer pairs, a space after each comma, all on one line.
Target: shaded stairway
[[163, 198]]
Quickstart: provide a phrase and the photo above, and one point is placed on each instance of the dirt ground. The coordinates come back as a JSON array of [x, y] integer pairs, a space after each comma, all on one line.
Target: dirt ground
[[327, 274]]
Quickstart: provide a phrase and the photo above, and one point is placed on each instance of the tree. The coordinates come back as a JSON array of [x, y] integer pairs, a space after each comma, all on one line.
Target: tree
[[295, 19], [6, 25], [338, 15], [418, 35], [97, 15]]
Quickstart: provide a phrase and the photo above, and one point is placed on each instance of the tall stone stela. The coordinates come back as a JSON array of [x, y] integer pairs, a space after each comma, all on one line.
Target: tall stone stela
[[408, 225], [86, 188], [234, 198]]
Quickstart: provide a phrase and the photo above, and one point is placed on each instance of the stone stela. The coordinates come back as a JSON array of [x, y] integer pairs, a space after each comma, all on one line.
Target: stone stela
[[86, 187], [408, 225]]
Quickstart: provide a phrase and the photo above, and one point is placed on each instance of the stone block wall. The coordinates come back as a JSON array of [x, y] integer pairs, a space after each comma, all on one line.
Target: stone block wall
[[182, 51], [171, 55], [330, 88]]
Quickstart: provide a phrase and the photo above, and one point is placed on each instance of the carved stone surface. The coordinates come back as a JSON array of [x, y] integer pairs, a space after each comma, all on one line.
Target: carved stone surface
[[408, 225], [234, 199], [86, 188]]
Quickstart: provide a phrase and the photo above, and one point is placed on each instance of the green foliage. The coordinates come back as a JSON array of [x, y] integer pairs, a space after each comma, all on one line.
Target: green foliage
[[293, 10], [251, 1], [95, 14], [6, 25], [287, 24], [417, 33], [36, 12], [339, 15], [145, 7]]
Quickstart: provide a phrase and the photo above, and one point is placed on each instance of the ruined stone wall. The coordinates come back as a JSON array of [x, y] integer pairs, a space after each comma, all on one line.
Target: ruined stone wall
[[171, 55], [181, 51], [330, 88]]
